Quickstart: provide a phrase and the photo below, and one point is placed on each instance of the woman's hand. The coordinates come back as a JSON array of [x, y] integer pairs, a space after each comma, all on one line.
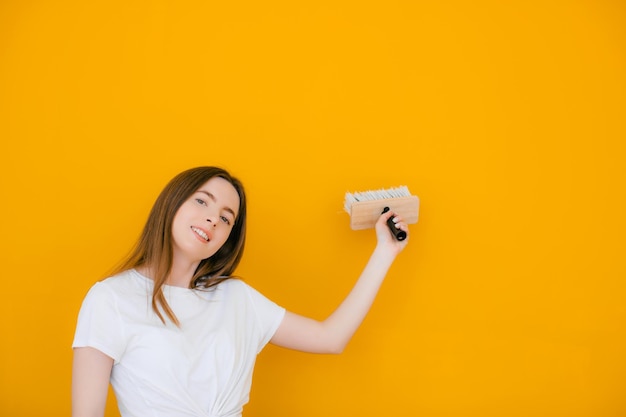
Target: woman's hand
[[384, 236]]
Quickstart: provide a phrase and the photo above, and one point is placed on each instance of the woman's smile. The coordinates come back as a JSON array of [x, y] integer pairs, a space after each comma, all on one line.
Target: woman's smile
[[204, 235]]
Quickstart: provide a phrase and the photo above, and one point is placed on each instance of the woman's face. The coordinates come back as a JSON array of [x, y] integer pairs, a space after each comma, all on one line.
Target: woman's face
[[203, 223]]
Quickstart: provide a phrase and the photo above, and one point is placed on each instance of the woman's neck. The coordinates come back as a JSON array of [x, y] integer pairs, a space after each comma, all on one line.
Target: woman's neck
[[180, 274]]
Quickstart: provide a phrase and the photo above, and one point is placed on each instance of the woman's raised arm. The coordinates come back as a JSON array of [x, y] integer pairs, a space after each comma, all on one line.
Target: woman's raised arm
[[333, 334]]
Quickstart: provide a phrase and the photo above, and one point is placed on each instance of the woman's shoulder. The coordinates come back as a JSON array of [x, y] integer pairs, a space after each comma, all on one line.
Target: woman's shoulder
[[235, 288], [120, 283], [232, 285]]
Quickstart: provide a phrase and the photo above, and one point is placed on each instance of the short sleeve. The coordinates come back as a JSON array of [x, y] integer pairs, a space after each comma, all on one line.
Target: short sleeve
[[268, 313], [99, 324]]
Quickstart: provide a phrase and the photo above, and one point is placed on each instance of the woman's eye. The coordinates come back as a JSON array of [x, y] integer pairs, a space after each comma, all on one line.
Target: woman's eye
[[225, 220], [201, 201]]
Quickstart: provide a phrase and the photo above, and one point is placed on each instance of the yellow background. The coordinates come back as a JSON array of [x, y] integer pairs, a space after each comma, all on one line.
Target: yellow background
[[507, 118]]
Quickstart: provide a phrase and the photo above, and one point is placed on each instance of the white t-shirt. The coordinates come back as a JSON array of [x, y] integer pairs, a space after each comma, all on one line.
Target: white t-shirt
[[204, 368]]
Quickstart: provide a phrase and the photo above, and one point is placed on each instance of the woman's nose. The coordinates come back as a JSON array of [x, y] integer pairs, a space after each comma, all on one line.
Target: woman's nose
[[212, 220]]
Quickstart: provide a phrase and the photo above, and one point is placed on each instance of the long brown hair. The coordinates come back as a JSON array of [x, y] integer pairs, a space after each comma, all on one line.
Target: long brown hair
[[154, 248]]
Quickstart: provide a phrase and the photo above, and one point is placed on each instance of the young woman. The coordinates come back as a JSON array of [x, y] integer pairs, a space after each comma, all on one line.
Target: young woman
[[174, 333]]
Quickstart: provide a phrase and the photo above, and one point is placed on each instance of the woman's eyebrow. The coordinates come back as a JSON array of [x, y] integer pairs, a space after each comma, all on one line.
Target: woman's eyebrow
[[212, 197]]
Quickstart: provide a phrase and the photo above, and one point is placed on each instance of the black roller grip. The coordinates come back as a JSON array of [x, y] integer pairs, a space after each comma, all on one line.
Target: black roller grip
[[398, 233]]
